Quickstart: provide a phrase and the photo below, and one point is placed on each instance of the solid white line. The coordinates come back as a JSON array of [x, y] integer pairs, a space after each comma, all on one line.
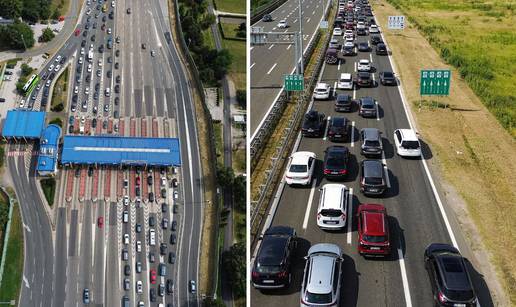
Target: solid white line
[[355, 66], [371, 57], [326, 129], [271, 46], [404, 279], [377, 111], [308, 20], [353, 134], [350, 214], [288, 47], [338, 67], [372, 75], [252, 65], [354, 91], [334, 88], [309, 206], [269, 72], [386, 170]]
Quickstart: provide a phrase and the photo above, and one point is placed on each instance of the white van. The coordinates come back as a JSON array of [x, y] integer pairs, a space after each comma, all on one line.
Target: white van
[[333, 203], [125, 216], [345, 81], [152, 237]]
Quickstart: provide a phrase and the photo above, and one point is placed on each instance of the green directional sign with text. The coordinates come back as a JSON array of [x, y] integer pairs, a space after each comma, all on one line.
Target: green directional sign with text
[[294, 82], [435, 82]]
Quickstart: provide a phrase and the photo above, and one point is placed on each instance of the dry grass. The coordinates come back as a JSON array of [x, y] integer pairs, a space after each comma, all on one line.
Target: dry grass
[[472, 152]]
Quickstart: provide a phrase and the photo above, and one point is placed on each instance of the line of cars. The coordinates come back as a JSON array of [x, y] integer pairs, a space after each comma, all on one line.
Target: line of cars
[[322, 276]]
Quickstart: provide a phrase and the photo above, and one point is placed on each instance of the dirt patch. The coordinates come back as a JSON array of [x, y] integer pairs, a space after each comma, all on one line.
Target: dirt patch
[[473, 154]]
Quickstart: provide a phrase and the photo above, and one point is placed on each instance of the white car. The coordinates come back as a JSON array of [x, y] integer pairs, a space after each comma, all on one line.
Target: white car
[[109, 31], [374, 29], [86, 90], [282, 24], [126, 239], [100, 63], [22, 103], [349, 33], [349, 39], [58, 59], [333, 204], [361, 25], [82, 51], [407, 143], [300, 168], [138, 246], [112, 3], [51, 67], [349, 44], [345, 81], [58, 67], [89, 67], [364, 65], [76, 90], [83, 120], [337, 31], [322, 91], [80, 60], [126, 200], [139, 288]]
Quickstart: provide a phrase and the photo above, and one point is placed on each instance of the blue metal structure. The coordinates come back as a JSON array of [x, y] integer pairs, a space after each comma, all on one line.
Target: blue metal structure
[[48, 150], [23, 124], [119, 150]]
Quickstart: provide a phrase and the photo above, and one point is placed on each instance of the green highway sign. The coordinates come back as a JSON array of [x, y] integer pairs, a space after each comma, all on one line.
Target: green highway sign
[[435, 82], [294, 82]]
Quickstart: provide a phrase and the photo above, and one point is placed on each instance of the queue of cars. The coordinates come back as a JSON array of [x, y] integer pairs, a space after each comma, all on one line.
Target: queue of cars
[[322, 275]]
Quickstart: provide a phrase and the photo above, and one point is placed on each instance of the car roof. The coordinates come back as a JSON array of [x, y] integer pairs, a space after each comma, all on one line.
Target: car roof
[[371, 133], [279, 230], [408, 135], [454, 273], [301, 157], [345, 75], [343, 97], [364, 61], [364, 74], [333, 195], [338, 120], [388, 73], [272, 250], [374, 221], [321, 274], [373, 168], [322, 85]]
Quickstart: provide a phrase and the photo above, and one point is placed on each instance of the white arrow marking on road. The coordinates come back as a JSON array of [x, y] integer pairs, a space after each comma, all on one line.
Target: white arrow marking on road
[[26, 282], [26, 227]]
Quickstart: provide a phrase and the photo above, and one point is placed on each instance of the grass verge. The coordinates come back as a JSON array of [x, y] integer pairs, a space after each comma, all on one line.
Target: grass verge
[[237, 70], [473, 154], [11, 281], [231, 6], [60, 92], [239, 160], [48, 185], [230, 30], [219, 142]]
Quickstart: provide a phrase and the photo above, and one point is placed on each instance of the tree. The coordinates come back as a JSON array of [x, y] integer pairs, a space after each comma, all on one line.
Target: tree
[[56, 14], [225, 176], [4, 215], [207, 21], [240, 192], [221, 64], [234, 263], [10, 8], [241, 98], [17, 35], [26, 69], [210, 302], [47, 35], [30, 10]]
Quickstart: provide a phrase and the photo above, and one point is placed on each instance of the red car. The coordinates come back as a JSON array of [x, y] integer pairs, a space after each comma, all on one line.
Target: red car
[[100, 221], [373, 230], [137, 180], [77, 32], [153, 276]]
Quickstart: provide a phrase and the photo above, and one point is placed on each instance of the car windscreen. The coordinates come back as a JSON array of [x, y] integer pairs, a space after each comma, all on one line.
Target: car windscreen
[[331, 212], [318, 298], [372, 143], [320, 90], [410, 144], [373, 180], [375, 239], [335, 161], [298, 168], [368, 106], [267, 269]]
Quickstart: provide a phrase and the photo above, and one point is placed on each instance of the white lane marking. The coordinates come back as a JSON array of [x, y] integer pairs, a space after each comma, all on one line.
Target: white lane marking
[[313, 13], [271, 47], [252, 65], [288, 47], [355, 66], [326, 129], [308, 20], [377, 112], [372, 75], [309, 206], [338, 67], [386, 170], [404, 279], [354, 91], [269, 72], [371, 57], [295, 20], [350, 214], [273, 28], [251, 48], [352, 134], [334, 88], [285, 31]]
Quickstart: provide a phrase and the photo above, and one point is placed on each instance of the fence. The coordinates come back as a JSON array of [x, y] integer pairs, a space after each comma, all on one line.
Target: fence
[[258, 13], [260, 205]]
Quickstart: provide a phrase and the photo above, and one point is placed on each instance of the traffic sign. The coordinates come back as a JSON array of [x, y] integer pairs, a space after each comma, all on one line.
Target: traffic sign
[[396, 22], [435, 82], [257, 36], [324, 24], [294, 82]]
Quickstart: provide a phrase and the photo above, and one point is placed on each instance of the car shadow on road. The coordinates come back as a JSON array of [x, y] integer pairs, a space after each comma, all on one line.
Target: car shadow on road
[[394, 190], [483, 294], [349, 283], [426, 152], [388, 148]]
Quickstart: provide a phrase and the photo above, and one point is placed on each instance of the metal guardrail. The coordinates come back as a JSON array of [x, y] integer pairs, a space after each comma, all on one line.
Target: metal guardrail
[[260, 205], [258, 13]]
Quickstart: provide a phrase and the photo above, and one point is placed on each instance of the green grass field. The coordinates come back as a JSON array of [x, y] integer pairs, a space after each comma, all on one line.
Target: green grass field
[[60, 92], [219, 142], [11, 281], [478, 38], [237, 71], [48, 186], [231, 6]]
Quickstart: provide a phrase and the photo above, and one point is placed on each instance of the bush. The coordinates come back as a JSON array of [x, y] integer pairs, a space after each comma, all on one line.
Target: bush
[[49, 189], [47, 35], [234, 264], [241, 98], [26, 70], [56, 121], [58, 107]]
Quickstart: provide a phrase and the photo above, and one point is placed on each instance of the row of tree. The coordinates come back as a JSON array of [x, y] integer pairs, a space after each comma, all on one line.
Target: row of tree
[[16, 36], [29, 10], [226, 178]]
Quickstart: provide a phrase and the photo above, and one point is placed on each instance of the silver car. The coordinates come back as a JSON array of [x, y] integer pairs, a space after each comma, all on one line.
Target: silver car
[[322, 276]]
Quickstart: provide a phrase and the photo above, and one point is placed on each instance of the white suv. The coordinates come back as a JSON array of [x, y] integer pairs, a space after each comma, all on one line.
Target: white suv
[[300, 168], [333, 204], [364, 65], [407, 143], [322, 91], [345, 81]]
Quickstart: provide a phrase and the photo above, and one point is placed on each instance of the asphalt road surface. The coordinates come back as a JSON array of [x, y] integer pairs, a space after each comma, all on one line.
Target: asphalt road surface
[[270, 62], [415, 216]]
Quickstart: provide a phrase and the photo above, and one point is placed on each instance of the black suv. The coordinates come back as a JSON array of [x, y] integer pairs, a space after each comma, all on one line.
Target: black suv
[[313, 124], [387, 78], [364, 79], [344, 103], [451, 284], [371, 141], [336, 162], [338, 129], [267, 18], [381, 49], [372, 177], [272, 265]]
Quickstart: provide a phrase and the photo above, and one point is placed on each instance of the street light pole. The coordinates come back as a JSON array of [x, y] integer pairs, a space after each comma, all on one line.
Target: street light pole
[[300, 64]]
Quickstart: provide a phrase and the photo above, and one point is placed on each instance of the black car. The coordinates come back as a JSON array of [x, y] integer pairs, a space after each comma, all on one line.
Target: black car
[[117, 79], [152, 257], [371, 141], [173, 227], [348, 50], [361, 32], [104, 18], [83, 43], [88, 78], [449, 277], [173, 239], [92, 38], [78, 172], [376, 39], [363, 47], [381, 49], [127, 270], [163, 249], [338, 129], [117, 53], [367, 107], [388, 78], [170, 286], [85, 33], [149, 180], [152, 295], [70, 129], [175, 208], [313, 125], [171, 257], [117, 100], [372, 177], [109, 74], [364, 79], [336, 162], [272, 266], [117, 88], [101, 48], [90, 171], [163, 193], [267, 18], [161, 290], [164, 207], [63, 59]]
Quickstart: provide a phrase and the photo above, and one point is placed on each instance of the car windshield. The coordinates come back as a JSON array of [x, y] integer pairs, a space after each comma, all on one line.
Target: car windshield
[[459, 295], [387, 74], [298, 168], [335, 161], [367, 105], [318, 298], [267, 269], [410, 144], [372, 143], [375, 239], [322, 90], [373, 180], [331, 212]]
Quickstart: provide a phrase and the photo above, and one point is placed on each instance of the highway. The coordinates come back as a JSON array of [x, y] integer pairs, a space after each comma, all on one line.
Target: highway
[[416, 217], [269, 63], [154, 99]]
